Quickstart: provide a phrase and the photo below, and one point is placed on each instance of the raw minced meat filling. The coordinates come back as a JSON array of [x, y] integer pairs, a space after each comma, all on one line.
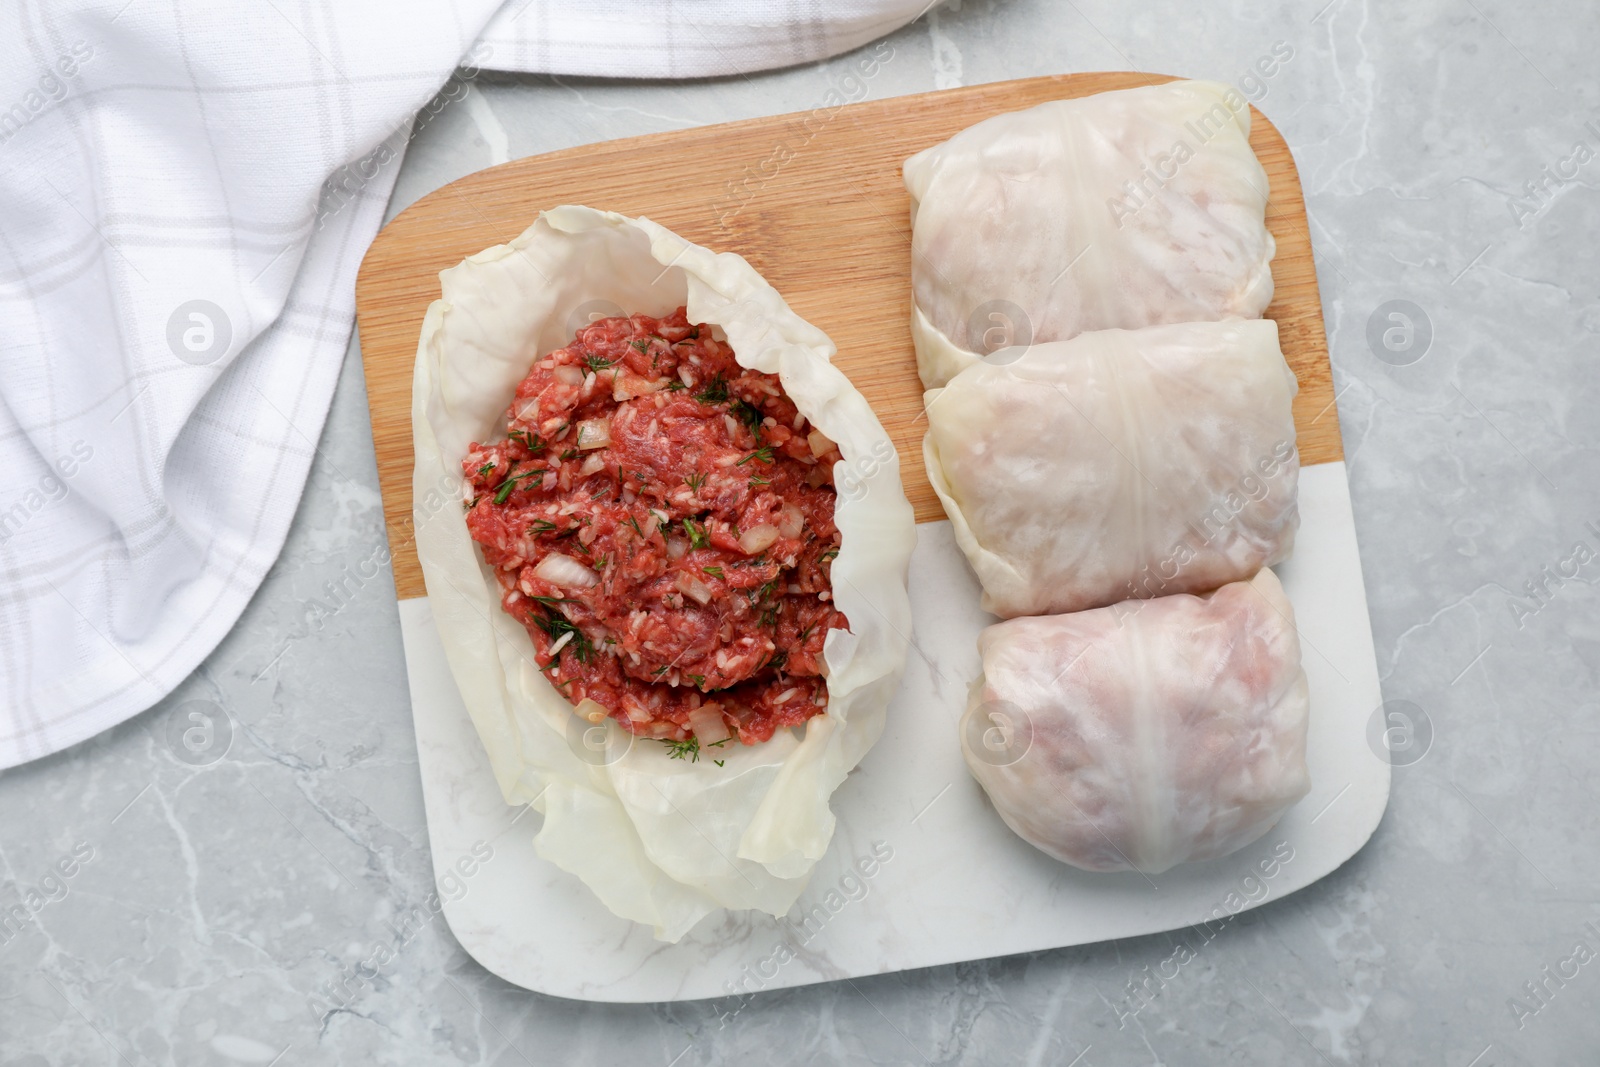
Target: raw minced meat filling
[[661, 521]]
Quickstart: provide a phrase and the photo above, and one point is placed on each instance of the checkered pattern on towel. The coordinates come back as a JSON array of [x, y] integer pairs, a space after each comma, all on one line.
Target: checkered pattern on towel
[[186, 191]]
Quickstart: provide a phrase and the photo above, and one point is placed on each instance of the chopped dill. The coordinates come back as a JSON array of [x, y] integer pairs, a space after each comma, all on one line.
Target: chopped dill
[[511, 482], [690, 749], [596, 364], [694, 481], [531, 442], [555, 625], [715, 572], [698, 538], [748, 414], [762, 598], [714, 392], [762, 455]]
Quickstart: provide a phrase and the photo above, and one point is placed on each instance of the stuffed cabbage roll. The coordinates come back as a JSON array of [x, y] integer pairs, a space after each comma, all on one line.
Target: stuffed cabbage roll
[[1147, 734], [1114, 211], [662, 830], [1121, 464]]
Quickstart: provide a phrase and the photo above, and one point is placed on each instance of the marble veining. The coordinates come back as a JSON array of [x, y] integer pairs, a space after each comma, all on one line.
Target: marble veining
[[921, 870], [234, 875]]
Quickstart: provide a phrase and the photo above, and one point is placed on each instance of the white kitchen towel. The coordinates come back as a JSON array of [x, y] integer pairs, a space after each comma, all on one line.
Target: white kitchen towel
[[186, 191]]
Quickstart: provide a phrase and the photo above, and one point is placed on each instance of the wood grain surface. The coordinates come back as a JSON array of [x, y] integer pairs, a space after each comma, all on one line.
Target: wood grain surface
[[814, 201]]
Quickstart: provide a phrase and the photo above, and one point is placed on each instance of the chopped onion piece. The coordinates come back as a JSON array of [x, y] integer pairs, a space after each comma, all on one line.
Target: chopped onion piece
[[567, 374], [594, 433], [692, 587], [592, 710], [757, 539], [677, 547], [819, 442], [791, 521], [707, 724], [592, 465], [565, 572], [628, 386]]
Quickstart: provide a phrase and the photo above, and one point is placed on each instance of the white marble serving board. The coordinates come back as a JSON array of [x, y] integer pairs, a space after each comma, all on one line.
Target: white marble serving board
[[921, 871]]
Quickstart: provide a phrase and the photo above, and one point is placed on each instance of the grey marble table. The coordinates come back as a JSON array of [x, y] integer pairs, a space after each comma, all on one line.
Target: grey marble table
[[1449, 155]]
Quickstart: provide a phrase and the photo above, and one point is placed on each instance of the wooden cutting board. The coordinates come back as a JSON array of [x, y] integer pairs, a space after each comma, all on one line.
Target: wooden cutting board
[[814, 201]]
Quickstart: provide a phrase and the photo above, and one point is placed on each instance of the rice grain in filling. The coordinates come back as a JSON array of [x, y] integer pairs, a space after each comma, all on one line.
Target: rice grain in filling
[[660, 520]]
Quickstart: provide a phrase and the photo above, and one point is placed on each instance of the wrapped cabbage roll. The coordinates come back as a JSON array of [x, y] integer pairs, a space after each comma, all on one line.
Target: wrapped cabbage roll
[[1114, 211], [663, 834], [1121, 464], [1147, 734]]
